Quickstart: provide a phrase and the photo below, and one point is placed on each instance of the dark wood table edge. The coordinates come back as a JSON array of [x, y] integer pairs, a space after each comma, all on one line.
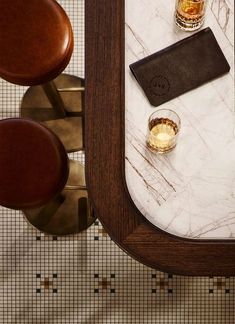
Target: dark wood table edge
[[105, 158]]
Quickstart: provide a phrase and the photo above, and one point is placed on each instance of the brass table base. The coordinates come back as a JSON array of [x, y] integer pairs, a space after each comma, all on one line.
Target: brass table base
[[70, 212], [37, 106]]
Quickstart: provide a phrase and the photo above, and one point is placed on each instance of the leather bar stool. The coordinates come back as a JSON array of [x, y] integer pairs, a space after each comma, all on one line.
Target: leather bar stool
[[36, 44], [37, 178]]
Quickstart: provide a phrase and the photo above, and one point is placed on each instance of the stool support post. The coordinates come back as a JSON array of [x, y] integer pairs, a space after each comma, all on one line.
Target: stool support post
[[54, 98]]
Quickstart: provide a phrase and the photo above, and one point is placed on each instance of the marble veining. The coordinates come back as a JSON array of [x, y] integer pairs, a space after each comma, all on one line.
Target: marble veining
[[189, 192]]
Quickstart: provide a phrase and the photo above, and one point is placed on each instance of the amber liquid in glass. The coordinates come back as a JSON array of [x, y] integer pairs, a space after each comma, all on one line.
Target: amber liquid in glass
[[190, 14], [162, 135]]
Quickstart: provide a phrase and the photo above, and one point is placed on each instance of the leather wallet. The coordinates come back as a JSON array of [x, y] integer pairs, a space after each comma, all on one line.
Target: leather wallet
[[180, 67]]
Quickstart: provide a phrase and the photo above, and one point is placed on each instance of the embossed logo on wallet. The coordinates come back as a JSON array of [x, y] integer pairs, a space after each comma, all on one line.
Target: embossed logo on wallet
[[159, 86]]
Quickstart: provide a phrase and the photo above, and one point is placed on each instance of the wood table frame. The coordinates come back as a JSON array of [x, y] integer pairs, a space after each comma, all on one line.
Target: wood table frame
[[105, 158]]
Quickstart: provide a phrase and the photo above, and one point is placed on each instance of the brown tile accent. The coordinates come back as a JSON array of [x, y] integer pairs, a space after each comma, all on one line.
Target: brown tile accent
[[162, 283], [102, 232], [104, 283], [46, 283], [219, 283]]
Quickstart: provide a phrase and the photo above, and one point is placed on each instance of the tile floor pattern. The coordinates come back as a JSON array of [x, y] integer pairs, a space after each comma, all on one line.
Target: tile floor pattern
[[86, 278]]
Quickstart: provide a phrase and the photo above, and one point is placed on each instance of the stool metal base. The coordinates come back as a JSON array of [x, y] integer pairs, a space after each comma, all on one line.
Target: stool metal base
[[70, 212], [36, 105]]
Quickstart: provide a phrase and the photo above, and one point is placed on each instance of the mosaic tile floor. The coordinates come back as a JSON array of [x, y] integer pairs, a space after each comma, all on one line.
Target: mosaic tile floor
[[86, 278]]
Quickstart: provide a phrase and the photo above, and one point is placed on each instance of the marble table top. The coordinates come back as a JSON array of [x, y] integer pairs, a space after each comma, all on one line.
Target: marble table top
[[189, 192]]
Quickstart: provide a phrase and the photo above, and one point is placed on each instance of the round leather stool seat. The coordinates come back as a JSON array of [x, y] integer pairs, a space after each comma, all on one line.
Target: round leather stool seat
[[33, 164], [36, 41]]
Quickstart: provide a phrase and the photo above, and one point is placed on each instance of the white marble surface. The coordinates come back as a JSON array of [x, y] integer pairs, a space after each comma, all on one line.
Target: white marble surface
[[189, 192]]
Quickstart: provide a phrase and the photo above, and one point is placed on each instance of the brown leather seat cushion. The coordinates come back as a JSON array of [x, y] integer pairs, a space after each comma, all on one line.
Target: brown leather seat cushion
[[36, 41], [33, 164]]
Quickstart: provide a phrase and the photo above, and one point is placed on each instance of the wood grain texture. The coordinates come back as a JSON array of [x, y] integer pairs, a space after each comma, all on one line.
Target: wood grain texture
[[105, 158]]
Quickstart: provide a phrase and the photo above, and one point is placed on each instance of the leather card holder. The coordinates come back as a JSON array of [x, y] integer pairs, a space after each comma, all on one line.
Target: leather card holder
[[180, 67]]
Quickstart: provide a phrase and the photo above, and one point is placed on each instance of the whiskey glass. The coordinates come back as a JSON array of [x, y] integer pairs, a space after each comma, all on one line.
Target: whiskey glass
[[190, 14], [163, 130]]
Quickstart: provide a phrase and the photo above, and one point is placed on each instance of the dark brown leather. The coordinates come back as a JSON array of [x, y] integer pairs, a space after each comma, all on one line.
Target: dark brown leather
[[180, 67], [33, 164], [36, 41]]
